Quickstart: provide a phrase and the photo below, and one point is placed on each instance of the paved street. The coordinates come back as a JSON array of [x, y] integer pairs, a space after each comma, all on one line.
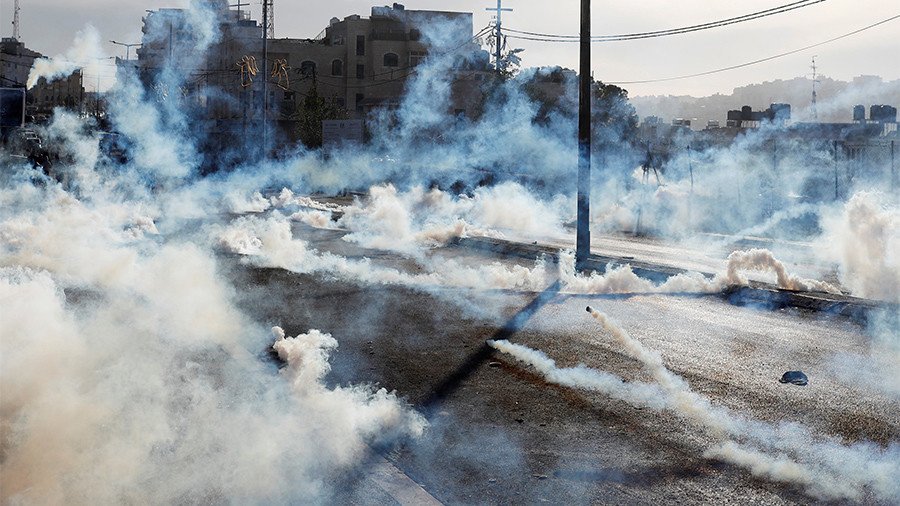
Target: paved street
[[501, 433]]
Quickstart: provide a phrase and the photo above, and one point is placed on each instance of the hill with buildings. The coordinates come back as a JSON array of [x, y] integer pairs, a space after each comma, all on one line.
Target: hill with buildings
[[834, 103]]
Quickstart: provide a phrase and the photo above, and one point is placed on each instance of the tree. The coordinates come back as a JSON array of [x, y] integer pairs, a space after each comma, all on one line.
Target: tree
[[310, 113], [613, 118]]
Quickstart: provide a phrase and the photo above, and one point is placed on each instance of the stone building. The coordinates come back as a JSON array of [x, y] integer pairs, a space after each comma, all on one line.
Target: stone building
[[16, 61], [66, 92], [357, 64]]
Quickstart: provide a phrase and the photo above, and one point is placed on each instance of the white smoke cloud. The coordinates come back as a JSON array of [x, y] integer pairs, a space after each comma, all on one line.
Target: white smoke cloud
[[85, 53], [863, 238]]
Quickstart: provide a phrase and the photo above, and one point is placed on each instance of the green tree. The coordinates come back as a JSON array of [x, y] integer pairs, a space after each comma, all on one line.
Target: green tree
[[613, 118], [310, 113]]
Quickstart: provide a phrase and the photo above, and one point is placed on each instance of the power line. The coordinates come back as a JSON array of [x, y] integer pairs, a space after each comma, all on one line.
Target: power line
[[761, 60], [547, 37]]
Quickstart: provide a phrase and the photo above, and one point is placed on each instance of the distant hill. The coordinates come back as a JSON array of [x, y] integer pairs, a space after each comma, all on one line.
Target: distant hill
[[834, 104]]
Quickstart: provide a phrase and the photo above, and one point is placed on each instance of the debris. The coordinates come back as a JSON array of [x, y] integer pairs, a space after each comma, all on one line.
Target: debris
[[493, 364], [795, 377], [540, 476], [520, 420]]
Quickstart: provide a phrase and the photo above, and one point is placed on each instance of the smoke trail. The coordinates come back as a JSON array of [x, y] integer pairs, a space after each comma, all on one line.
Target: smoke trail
[[764, 260], [581, 376], [85, 53], [825, 466]]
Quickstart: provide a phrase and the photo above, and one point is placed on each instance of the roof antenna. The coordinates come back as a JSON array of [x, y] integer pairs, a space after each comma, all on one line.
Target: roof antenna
[[16, 34]]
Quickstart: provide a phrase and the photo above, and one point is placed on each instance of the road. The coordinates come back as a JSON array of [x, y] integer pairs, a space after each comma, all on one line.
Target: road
[[500, 433]]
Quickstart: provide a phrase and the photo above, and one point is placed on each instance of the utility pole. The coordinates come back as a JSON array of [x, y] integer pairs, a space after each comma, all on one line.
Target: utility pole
[[265, 76], [815, 81], [893, 170], [835, 150], [583, 233], [497, 33]]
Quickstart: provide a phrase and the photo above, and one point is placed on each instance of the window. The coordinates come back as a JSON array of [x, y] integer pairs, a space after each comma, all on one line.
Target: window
[[391, 60], [308, 68], [289, 96], [337, 68], [359, 105], [416, 58], [360, 45], [360, 71]]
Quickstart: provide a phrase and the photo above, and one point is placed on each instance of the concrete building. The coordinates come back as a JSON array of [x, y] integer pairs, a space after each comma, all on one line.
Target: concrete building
[[67, 92], [363, 63], [16, 61], [357, 64]]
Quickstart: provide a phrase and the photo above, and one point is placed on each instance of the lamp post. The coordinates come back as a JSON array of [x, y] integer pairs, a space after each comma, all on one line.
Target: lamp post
[[127, 48]]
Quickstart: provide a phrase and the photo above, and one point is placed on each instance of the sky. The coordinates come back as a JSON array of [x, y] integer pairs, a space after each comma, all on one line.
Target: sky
[[49, 26]]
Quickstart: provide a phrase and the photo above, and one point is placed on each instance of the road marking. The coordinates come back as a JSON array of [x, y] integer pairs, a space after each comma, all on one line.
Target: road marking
[[398, 485]]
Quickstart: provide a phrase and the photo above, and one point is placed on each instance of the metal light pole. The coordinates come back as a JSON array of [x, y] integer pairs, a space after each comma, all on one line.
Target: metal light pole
[[583, 235], [265, 75], [97, 88], [127, 48]]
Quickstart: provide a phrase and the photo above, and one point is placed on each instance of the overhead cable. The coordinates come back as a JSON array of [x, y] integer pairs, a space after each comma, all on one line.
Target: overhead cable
[[547, 37], [761, 60]]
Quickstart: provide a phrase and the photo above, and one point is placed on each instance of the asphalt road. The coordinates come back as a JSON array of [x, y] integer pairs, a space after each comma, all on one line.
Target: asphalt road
[[501, 434]]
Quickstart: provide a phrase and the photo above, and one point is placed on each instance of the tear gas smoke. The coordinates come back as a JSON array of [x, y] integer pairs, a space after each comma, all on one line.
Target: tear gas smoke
[[763, 260], [85, 53], [149, 394], [825, 466], [271, 242], [864, 239], [128, 374]]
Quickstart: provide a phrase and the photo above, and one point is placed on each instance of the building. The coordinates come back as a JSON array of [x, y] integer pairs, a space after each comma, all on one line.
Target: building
[[66, 92], [363, 63], [16, 61], [357, 64]]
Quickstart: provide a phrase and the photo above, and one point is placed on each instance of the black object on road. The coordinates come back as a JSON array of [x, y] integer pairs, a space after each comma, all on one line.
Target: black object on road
[[795, 377]]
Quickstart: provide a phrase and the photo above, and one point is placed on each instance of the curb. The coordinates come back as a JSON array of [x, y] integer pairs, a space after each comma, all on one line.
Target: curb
[[756, 293]]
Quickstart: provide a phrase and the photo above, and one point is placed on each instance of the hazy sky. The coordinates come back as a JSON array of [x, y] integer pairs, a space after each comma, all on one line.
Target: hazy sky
[[49, 26]]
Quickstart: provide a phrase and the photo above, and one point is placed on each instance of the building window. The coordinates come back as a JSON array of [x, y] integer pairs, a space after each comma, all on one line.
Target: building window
[[337, 68], [416, 58], [359, 105], [308, 68], [360, 45], [391, 60], [360, 71]]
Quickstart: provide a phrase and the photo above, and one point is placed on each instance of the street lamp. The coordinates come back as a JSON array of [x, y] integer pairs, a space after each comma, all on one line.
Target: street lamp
[[97, 88], [127, 48]]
